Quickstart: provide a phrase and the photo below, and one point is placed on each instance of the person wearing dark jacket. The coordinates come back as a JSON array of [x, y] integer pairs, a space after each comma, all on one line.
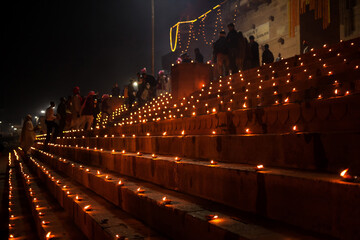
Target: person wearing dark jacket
[[61, 114], [199, 58], [87, 111], [254, 51], [233, 42], [267, 56], [115, 91], [220, 54]]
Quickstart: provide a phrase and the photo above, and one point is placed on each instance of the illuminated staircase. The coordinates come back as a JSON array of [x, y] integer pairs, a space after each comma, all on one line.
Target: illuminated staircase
[[255, 155]]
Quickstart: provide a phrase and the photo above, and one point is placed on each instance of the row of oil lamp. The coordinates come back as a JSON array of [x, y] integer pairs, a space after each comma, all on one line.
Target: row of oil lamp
[[344, 174], [141, 191], [48, 235]]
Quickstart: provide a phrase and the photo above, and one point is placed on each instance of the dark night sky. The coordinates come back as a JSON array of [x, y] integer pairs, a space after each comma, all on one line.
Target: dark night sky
[[50, 46]]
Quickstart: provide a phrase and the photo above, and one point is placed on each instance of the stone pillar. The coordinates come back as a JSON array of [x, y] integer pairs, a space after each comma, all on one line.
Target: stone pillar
[[189, 77]]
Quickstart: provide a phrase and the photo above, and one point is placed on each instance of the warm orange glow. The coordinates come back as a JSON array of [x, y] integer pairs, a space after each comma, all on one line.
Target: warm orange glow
[[87, 208], [260, 166], [294, 128], [183, 132], [164, 133], [113, 151], [123, 151], [48, 235], [120, 183], [345, 175], [98, 172], [247, 130], [140, 190], [139, 153], [153, 155], [212, 217], [212, 162]]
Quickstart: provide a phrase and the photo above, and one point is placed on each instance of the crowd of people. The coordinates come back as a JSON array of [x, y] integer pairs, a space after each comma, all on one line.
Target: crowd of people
[[145, 87], [233, 52]]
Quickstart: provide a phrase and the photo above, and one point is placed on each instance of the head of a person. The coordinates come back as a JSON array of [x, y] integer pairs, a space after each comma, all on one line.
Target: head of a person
[[197, 50], [91, 93], [305, 43], [143, 71], [252, 38], [279, 55], [222, 34], [52, 104], [161, 73], [266, 46], [231, 26], [76, 90], [28, 117]]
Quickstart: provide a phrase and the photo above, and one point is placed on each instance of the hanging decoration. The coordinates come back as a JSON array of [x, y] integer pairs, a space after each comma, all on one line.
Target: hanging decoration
[[321, 9]]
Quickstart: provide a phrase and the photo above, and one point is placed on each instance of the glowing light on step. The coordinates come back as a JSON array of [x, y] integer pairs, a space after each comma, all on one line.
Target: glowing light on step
[[166, 201], [154, 155], [140, 190], [87, 208], [48, 235], [120, 183], [294, 128], [259, 167], [212, 162], [211, 217]]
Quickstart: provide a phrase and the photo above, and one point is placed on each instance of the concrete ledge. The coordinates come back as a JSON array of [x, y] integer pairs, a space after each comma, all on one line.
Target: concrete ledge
[[179, 220], [98, 223], [299, 198], [326, 152]]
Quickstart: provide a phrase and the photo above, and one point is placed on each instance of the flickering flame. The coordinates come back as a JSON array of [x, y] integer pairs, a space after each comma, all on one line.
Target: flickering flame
[[182, 132], [148, 134], [120, 182], [213, 132], [164, 133], [212, 162], [98, 172], [88, 170], [140, 190], [153, 155], [48, 235], [286, 100], [344, 172], [139, 153], [123, 151], [336, 91], [113, 151], [247, 130], [177, 158], [294, 128], [87, 208], [260, 166], [77, 197]]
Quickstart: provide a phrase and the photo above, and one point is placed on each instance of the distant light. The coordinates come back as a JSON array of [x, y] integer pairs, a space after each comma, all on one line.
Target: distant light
[[135, 84], [42, 111], [0, 122], [15, 129]]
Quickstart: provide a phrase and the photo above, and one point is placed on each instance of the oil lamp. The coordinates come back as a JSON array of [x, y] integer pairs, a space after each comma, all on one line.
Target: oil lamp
[[259, 167], [120, 183], [212, 162], [348, 178], [139, 153], [154, 155], [140, 190], [87, 208], [78, 198], [166, 201], [211, 217]]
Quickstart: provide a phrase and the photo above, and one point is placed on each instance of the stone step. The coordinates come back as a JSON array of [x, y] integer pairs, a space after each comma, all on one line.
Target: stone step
[[313, 201], [20, 224], [96, 218], [48, 217], [179, 219], [298, 150]]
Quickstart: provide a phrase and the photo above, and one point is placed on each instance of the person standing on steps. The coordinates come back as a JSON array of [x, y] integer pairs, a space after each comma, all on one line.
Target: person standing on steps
[[51, 126]]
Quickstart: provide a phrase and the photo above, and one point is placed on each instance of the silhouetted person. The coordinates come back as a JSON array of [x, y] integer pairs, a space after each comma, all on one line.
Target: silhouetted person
[[233, 43], [254, 51], [185, 58], [242, 49], [115, 91], [87, 111], [61, 114], [27, 137], [105, 107], [75, 108], [131, 92], [267, 56], [220, 54], [51, 126], [279, 58], [306, 47], [199, 58]]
